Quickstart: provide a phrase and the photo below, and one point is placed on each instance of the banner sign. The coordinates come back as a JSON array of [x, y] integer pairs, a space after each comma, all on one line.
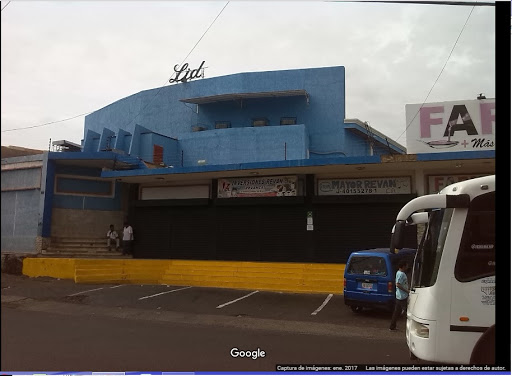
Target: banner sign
[[450, 126], [274, 186], [366, 186], [438, 182]]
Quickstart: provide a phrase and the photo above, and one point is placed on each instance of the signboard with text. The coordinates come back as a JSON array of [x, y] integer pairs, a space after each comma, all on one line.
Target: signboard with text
[[274, 186], [364, 186], [438, 182], [450, 126]]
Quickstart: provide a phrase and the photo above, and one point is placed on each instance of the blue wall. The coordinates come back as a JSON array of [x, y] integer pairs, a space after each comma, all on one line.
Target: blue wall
[[243, 145], [322, 116]]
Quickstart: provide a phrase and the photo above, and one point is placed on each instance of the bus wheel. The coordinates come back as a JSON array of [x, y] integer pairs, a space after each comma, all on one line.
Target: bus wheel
[[483, 352], [356, 309]]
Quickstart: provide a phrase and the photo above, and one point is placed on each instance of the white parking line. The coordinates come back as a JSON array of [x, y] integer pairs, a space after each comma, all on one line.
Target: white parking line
[[323, 304], [236, 300], [115, 287], [165, 292], [82, 292]]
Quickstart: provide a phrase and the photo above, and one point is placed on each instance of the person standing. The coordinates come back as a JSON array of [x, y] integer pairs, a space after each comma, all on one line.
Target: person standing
[[127, 239], [402, 293], [112, 236]]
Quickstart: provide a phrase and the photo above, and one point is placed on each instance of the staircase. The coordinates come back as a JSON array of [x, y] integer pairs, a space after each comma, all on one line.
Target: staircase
[[81, 248]]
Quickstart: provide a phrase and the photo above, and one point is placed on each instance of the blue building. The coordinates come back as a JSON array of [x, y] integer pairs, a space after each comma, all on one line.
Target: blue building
[[259, 166], [241, 118]]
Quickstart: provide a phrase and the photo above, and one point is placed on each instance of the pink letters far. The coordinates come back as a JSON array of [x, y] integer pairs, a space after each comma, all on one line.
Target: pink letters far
[[486, 116]]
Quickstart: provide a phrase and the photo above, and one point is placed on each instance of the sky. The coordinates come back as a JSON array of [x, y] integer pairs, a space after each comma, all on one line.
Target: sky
[[62, 59]]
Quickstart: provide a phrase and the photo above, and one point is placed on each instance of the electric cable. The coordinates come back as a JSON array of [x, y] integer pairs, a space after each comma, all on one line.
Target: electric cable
[[5, 6], [442, 70], [158, 92]]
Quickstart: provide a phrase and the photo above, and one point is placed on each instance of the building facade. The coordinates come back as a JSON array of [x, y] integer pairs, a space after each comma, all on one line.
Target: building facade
[[259, 166]]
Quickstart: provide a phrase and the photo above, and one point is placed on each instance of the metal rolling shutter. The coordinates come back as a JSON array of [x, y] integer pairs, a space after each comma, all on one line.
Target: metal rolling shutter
[[237, 230], [283, 233], [151, 230], [341, 229], [192, 233]]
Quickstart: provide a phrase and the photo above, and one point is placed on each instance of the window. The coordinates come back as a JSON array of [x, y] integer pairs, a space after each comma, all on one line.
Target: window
[[222, 124], [82, 186], [259, 122], [288, 121], [431, 248], [158, 154], [476, 258], [367, 265]]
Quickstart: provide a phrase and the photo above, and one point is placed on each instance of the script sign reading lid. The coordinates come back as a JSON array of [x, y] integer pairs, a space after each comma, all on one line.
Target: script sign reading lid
[[365, 186], [184, 74]]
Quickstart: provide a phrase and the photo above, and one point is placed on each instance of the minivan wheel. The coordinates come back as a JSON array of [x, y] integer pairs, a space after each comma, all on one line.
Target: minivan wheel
[[356, 309]]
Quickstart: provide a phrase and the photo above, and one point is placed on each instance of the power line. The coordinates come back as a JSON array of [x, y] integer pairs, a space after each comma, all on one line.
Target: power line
[[437, 79], [42, 125], [5, 6], [158, 92], [160, 89], [459, 3]]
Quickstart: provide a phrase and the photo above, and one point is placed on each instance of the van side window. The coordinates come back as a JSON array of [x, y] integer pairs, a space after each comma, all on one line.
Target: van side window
[[476, 258]]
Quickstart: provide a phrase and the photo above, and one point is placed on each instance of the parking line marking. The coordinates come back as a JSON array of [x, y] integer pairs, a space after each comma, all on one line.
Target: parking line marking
[[236, 300], [165, 292], [115, 287], [78, 293], [323, 304]]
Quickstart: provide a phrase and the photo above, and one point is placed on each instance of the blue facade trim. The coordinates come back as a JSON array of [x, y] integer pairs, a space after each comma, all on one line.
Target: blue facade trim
[[245, 166], [107, 139], [456, 155]]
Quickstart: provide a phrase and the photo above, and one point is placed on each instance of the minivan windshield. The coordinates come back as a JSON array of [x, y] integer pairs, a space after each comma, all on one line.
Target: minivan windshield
[[367, 265], [431, 248]]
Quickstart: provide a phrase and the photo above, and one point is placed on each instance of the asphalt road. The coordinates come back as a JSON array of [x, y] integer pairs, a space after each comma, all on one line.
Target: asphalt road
[[52, 325]]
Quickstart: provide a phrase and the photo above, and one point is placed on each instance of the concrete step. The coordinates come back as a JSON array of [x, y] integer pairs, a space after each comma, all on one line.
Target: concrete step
[[82, 253], [85, 256], [78, 240]]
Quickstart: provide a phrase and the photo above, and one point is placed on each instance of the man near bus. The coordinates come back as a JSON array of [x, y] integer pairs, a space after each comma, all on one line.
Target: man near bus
[[402, 293]]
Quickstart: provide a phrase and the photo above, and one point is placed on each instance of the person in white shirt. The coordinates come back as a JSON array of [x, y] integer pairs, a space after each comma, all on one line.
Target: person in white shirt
[[112, 236], [127, 239]]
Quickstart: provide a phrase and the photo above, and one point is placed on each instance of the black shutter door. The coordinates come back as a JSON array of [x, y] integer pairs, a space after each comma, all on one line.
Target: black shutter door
[[151, 229], [237, 233], [341, 229], [191, 233], [283, 233]]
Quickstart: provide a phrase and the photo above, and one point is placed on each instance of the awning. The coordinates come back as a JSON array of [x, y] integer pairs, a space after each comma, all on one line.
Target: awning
[[240, 96]]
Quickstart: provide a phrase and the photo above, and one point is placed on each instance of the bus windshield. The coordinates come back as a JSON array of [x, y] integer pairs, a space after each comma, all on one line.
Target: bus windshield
[[431, 248]]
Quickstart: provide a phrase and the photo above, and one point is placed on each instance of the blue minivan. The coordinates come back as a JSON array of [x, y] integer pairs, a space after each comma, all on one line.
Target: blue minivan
[[369, 280]]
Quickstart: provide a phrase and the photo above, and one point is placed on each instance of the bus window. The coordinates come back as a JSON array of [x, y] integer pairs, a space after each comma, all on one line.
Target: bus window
[[476, 258], [431, 248]]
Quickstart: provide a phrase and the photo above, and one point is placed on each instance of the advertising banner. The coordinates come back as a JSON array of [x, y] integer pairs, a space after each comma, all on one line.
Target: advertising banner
[[365, 186], [450, 126], [438, 182], [274, 186]]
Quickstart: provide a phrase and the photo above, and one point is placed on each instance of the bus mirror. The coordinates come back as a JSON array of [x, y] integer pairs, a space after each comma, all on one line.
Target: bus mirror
[[397, 237]]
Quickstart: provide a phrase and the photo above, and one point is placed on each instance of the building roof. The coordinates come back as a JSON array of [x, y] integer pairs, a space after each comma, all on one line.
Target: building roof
[[18, 151]]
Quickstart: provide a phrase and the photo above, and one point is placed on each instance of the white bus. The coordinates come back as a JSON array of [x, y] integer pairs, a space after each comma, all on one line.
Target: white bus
[[451, 307]]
